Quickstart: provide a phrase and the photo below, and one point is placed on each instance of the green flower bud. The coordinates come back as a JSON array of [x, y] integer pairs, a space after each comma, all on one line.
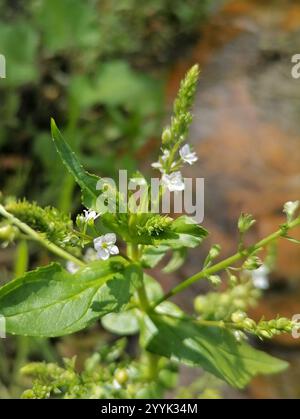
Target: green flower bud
[[166, 135], [8, 233], [215, 279], [214, 251], [121, 375], [245, 222], [238, 316], [252, 263], [249, 324], [265, 334]]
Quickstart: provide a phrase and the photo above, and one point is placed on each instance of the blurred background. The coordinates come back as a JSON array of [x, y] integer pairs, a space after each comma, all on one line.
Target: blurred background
[[107, 71]]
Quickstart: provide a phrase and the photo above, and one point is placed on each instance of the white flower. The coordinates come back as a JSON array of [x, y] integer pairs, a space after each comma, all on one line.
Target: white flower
[[72, 267], [260, 277], [90, 215], [158, 165], [187, 154], [105, 246], [290, 209], [174, 181], [90, 255]]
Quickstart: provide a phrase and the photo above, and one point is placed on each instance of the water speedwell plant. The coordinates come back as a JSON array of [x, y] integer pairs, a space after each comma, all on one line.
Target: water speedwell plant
[[103, 277]]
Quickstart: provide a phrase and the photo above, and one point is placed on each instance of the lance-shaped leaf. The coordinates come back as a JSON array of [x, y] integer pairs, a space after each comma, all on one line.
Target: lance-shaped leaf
[[52, 302], [213, 349], [86, 181]]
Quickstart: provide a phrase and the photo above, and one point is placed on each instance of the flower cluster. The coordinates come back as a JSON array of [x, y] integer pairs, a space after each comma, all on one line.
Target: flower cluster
[[174, 154], [172, 178]]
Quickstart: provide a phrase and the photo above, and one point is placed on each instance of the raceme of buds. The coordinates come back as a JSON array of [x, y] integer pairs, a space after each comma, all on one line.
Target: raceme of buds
[[262, 329], [174, 135], [220, 306], [245, 222], [290, 209]]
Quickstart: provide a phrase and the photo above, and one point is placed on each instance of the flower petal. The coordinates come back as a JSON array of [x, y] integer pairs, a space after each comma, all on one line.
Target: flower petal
[[113, 250], [98, 242], [110, 238], [103, 254]]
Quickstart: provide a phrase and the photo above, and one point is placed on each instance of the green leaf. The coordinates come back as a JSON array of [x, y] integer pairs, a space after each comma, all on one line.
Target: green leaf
[[52, 302], [86, 181], [153, 288], [125, 323], [176, 261], [152, 255], [213, 349], [128, 322]]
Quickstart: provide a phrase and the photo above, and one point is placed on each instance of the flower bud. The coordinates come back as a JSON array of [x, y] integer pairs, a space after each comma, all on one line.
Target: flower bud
[[249, 324], [214, 251], [166, 135], [121, 375], [290, 209], [238, 316], [265, 334], [252, 263], [245, 222], [215, 279], [8, 233]]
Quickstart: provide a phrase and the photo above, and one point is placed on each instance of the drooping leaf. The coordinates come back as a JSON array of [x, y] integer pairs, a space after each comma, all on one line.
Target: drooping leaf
[[213, 349], [52, 302]]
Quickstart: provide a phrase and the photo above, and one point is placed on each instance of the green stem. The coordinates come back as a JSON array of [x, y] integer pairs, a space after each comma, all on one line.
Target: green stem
[[228, 262], [39, 238]]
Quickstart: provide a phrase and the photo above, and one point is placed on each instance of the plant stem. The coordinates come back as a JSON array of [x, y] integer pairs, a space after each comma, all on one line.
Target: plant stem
[[227, 262], [39, 238]]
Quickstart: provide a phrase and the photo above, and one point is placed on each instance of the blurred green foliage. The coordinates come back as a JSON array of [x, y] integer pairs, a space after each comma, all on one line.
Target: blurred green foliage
[[92, 65]]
